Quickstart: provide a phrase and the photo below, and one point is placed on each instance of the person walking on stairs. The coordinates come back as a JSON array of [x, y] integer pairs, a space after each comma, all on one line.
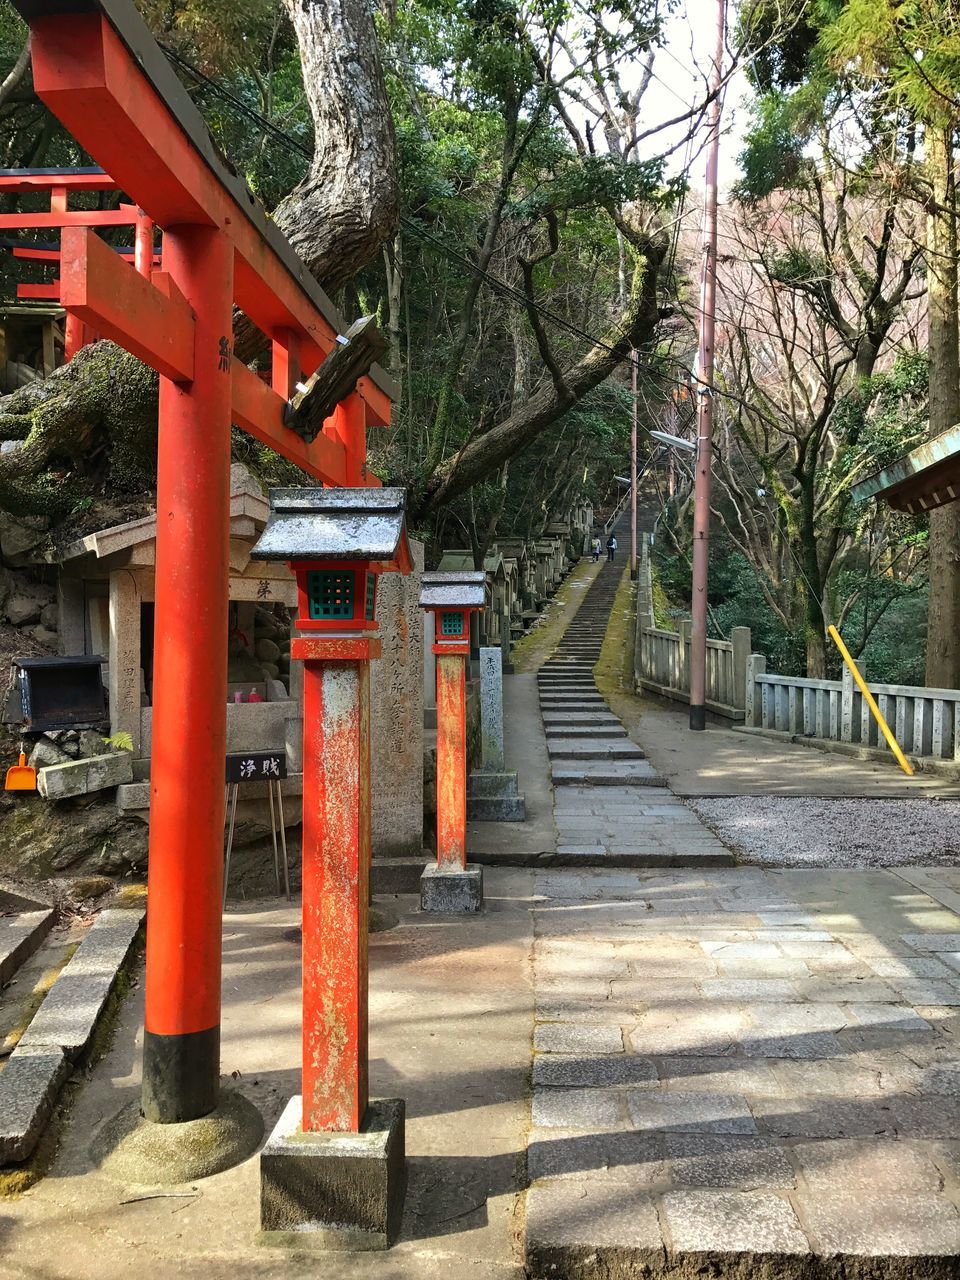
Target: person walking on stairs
[[595, 548], [611, 547]]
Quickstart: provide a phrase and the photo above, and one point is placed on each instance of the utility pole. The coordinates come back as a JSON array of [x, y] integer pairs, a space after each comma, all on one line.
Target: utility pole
[[633, 466], [706, 321]]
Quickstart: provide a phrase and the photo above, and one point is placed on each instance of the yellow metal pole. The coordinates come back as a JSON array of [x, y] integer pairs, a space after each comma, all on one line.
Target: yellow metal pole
[[892, 743]]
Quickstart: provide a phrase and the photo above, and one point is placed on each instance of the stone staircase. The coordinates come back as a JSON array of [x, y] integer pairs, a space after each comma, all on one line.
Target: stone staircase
[[635, 820], [56, 983]]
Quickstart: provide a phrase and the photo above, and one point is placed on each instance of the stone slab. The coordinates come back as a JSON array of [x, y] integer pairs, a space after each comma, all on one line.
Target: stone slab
[[491, 708], [84, 777], [396, 715], [29, 1085], [593, 1070], [722, 1223], [20, 935], [334, 1190], [603, 773], [607, 749], [580, 1230], [451, 892], [68, 1015], [888, 1226]]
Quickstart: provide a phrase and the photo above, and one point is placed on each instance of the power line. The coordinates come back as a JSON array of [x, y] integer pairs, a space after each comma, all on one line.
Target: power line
[[493, 282]]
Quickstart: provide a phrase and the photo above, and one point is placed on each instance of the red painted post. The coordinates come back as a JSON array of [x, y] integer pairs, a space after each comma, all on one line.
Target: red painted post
[[181, 1052], [336, 861], [451, 759], [143, 244]]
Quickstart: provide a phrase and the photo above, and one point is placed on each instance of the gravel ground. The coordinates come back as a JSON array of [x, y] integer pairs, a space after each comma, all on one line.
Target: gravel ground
[[780, 832]]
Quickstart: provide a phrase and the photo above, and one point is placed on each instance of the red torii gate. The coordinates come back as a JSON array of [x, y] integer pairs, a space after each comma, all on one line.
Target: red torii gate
[[98, 69]]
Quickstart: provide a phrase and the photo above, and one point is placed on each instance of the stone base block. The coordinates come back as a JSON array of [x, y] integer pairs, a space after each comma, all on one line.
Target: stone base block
[[334, 1190], [496, 809], [395, 875], [485, 782], [453, 892]]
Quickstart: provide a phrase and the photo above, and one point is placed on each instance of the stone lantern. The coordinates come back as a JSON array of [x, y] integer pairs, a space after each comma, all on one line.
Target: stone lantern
[[335, 1162], [452, 885]]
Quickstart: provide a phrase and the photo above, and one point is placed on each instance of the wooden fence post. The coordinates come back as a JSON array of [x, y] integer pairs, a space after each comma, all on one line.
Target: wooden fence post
[[756, 665], [740, 637]]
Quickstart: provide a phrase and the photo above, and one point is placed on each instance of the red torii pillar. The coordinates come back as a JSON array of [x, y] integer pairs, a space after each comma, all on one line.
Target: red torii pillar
[[452, 885], [102, 74]]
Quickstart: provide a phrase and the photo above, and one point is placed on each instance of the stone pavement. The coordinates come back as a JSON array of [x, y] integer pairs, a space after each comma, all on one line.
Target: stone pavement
[[610, 806], [728, 762], [740, 1071]]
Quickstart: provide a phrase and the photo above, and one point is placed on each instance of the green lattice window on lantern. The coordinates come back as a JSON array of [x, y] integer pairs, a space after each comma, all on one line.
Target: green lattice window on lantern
[[371, 596], [451, 624], [330, 593]]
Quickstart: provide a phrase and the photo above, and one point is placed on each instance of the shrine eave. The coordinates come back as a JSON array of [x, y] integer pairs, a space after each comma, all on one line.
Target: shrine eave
[[924, 479]]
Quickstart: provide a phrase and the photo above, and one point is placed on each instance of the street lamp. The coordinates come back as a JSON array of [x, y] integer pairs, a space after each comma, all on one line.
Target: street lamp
[[675, 442]]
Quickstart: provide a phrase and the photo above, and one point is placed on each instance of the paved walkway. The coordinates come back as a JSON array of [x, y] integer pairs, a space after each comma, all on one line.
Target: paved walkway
[[610, 805], [726, 762], [741, 1069]]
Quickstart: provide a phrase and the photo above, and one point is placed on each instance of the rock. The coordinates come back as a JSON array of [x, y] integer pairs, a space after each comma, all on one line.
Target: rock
[[22, 609], [283, 663], [91, 743], [21, 534], [276, 691], [45, 636], [38, 840], [267, 651], [89, 888], [270, 670], [50, 616], [81, 777], [46, 752]]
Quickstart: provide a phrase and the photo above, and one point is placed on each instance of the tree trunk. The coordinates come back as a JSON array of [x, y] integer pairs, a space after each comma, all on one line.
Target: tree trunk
[[347, 207], [337, 219], [943, 610], [486, 453]]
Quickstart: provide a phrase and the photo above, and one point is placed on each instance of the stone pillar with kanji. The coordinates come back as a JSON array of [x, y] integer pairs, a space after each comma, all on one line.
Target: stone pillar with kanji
[[451, 884], [334, 1165]]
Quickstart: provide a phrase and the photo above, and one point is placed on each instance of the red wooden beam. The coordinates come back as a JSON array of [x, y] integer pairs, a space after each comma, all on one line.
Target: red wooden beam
[[50, 291], [125, 216], [109, 295], [85, 74], [23, 180]]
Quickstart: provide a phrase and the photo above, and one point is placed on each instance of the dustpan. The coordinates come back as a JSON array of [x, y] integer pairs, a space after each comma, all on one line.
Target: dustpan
[[20, 777]]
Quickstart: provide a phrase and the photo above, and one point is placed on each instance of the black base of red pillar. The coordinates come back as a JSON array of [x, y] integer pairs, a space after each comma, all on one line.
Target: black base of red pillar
[[181, 1075]]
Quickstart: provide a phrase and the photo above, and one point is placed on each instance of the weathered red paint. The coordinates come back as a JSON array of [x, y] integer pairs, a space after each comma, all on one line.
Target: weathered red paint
[[332, 649], [336, 859], [451, 758], [190, 653], [102, 290]]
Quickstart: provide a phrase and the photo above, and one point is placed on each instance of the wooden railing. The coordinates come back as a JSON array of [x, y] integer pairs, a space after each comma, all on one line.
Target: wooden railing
[[662, 658], [925, 722]]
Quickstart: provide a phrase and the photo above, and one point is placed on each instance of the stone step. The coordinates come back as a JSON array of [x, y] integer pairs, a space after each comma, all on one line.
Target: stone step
[[570, 701], [604, 773], [605, 749], [20, 936], [60, 1031], [568, 695], [554, 721], [580, 704], [611, 730], [68, 1015], [29, 1086]]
